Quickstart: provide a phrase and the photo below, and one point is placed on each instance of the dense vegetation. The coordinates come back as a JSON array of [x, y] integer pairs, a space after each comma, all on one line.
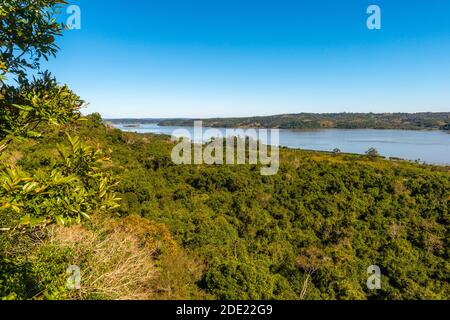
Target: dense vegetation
[[323, 219], [75, 193], [411, 121]]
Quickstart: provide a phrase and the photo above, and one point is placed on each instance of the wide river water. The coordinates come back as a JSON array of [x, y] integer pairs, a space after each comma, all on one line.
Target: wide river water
[[427, 146]]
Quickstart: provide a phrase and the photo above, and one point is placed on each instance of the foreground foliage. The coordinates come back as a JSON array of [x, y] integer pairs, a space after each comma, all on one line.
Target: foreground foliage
[[129, 258]]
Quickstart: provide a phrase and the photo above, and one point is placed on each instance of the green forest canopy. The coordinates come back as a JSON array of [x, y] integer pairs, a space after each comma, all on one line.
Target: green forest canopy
[[324, 217], [411, 121]]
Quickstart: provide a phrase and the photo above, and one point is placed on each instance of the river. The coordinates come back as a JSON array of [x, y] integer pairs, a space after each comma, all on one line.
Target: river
[[431, 147]]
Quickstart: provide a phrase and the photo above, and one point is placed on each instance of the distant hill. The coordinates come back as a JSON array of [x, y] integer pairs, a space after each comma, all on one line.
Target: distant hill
[[406, 121], [142, 120]]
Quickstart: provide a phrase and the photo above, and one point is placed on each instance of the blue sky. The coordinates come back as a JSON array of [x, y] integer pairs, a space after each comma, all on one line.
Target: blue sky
[[207, 58]]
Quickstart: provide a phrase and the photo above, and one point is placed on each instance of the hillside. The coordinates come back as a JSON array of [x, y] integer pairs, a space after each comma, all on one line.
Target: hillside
[[407, 121], [88, 212], [318, 224]]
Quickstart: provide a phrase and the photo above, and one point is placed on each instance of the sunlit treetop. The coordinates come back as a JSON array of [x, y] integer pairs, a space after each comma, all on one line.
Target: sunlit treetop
[[28, 29]]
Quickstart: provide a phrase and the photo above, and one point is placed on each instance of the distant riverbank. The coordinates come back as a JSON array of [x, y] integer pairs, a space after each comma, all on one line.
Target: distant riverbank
[[312, 121]]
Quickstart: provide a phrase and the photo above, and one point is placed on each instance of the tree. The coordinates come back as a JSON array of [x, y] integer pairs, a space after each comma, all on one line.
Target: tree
[[65, 192], [311, 260], [27, 34], [372, 153], [336, 151], [25, 108], [244, 279], [74, 186]]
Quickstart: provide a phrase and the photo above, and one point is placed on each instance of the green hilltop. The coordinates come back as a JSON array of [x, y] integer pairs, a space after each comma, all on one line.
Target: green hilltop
[[406, 121]]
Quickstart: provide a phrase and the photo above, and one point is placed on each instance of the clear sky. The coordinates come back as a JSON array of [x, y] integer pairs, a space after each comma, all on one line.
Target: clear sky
[[207, 58]]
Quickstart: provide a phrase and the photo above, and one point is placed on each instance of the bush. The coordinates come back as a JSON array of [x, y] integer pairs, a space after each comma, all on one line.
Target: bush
[[236, 280]]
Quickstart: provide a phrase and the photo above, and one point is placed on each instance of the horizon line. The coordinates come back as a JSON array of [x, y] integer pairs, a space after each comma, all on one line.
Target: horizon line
[[270, 115]]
